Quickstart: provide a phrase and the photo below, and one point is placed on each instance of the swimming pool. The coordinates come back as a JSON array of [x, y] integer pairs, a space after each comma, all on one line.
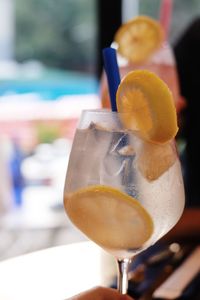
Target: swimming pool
[[51, 85]]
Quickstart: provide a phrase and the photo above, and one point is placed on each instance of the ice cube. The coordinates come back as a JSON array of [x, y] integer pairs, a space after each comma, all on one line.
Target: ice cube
[[118, 168], [88, 150]]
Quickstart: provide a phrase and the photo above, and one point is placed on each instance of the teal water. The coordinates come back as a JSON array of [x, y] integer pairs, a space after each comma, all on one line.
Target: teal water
[[52, 85]]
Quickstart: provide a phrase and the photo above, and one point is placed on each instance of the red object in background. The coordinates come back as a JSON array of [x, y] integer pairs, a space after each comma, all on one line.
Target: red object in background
[[165, 15]]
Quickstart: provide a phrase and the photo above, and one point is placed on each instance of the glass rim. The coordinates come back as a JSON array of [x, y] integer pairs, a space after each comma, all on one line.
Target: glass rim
[[100, 110]]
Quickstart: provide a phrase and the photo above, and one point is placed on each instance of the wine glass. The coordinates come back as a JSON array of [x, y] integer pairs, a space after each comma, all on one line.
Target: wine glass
[[122, 192]]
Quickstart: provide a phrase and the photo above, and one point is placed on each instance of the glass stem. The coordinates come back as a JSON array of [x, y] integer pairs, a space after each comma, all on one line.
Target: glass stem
[[123, 266]]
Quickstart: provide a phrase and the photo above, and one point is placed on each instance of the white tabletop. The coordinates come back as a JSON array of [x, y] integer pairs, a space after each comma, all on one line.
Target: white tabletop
[[55, 273]]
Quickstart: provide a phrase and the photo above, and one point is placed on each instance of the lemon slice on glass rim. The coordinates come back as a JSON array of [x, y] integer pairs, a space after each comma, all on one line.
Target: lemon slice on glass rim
[[146, 105], [139, 38], [109, 217]]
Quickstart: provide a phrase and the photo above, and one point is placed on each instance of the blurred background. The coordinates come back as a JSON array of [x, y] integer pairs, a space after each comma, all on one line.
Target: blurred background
[[50, 69]]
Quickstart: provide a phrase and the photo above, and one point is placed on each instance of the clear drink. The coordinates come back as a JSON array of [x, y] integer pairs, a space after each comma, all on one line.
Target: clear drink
[[106, 154]]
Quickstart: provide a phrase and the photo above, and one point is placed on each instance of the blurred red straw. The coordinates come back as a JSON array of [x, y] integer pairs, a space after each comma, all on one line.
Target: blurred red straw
[[165, 16]]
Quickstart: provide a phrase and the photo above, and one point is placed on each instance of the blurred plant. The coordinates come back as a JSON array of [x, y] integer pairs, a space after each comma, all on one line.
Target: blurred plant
[[47, 133], [58, 33]]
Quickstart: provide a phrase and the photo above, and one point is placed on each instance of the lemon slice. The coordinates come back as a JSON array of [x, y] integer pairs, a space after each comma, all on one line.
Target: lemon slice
[[139, 38], [154, 159], [109, 217], [147, 105]]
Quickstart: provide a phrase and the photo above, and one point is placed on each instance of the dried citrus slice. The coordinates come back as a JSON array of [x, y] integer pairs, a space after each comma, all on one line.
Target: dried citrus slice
[[147, 105], [154, 159], [139, 38], [109, 217]]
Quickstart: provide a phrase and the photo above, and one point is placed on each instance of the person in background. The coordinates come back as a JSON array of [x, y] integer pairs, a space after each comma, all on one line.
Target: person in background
[[186, 51], [15, 166]]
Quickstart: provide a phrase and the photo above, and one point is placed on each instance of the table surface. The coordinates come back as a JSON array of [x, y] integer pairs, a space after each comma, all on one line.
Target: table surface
[[56, 273]]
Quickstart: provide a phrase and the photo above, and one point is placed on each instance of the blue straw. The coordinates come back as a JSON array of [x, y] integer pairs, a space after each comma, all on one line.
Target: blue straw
[[112, 72]]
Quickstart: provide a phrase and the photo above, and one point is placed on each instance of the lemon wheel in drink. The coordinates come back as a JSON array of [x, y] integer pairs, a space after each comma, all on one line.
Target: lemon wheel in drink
[[139, 38]]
